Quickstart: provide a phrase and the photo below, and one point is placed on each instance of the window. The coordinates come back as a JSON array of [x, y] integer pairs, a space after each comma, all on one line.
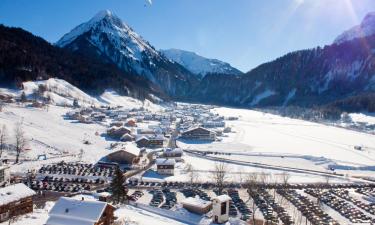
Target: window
[[223, 208], [4, 216]]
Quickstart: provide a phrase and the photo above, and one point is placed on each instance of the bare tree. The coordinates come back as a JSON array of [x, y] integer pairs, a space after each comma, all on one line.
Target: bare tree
[[20, 140], [220, 175], [285, 180], [3, 139], [251, 184], [193, 175], [263, 178], [240, 176]]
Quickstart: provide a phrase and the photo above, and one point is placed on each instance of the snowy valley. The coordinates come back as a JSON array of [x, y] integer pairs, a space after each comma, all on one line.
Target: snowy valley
[[246, 142]]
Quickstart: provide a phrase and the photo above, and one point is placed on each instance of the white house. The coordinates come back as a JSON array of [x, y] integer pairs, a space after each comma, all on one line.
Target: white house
[[197, 205], [173, 153], [220, 209], [165, 166]]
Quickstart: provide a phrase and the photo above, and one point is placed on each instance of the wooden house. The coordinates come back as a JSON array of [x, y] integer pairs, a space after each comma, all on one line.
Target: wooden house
[[15, 200], [165, 166], [124, 156], [199, 133], [70, 211]]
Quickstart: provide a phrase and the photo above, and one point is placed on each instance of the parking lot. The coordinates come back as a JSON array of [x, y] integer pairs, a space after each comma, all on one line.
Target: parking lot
[[276, 204]]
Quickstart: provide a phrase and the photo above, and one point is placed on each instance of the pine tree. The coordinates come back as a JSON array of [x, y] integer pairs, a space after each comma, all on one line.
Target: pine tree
[[119, 191]]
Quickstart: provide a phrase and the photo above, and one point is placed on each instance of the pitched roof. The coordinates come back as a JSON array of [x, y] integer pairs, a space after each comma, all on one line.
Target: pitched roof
[[69, 211], [223, 198], [14, 193], [197, 202], [165, 162], [197, 128]]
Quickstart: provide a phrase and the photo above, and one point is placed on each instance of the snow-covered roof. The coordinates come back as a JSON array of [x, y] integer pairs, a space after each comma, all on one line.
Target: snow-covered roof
[[222, 198], [69, 211], [14, 193], [165, 162], [197, 202], [196, 128], [141, 137], [127, 147], [173, 150]]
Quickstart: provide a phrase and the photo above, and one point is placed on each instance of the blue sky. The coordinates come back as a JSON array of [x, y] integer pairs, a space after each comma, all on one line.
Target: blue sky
[[244, 33]]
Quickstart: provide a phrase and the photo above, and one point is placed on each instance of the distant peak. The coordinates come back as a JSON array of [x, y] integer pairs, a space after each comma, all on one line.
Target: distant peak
[[364, 29], [102, 14], [84, 27]]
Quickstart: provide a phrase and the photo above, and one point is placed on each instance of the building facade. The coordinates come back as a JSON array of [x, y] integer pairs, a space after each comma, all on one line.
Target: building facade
[[199, 133], [15, 200], [165, 166]]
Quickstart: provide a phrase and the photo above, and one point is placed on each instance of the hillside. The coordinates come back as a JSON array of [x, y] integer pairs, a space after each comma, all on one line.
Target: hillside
[[25, 57], [108, 38], [305, 78]]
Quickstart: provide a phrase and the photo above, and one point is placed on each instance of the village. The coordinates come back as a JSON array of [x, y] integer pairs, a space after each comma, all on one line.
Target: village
[[175, 162]]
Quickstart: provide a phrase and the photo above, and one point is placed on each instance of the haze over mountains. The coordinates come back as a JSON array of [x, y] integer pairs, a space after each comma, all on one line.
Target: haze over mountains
[[335, 74], [199, 65]]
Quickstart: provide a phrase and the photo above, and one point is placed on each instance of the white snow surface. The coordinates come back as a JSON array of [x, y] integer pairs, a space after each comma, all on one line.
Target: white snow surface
[[63, 93], [60, 91], [258, 98], [366, 28], [279, 141], [111, 97]]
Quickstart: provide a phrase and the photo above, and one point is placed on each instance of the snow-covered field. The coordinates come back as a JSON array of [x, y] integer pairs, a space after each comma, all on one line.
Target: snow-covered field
[[280, 141], [49, 133], [260, 142]]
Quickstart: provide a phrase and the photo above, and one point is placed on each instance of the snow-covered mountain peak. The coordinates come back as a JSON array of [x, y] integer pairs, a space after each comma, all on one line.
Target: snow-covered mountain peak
[[106, 37], [101, 14], [106, 28], [366, 28], [199, 65]]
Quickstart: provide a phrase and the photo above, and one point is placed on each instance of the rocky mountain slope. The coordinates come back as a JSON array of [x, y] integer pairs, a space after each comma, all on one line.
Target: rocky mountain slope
[[106, 37], [199, 65]]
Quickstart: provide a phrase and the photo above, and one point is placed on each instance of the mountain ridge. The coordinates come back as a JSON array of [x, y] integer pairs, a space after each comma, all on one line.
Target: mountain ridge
[[107, 37], [199, 65], [364, 29]]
